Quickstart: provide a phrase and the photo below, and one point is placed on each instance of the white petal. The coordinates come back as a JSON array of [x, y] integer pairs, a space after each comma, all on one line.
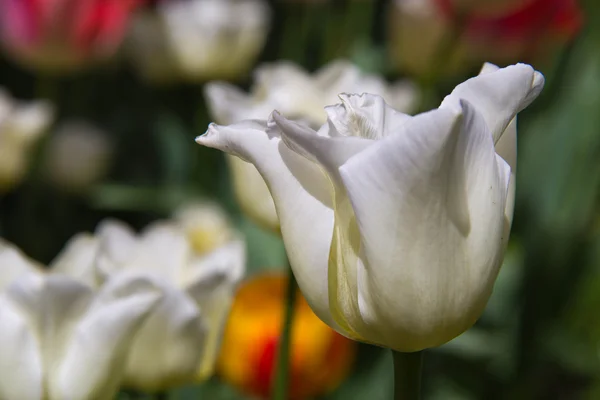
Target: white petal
[[14, 264], [506, 147], [93, 362], [20, 361], [302, 196], [226, 264], [252, 193], [429, 204], [212, 283], [163, 248], [51, 304], [215, 310], [118, 245], [329, 152], [168, 347], [78, 259], [499, 95], [366, 116]]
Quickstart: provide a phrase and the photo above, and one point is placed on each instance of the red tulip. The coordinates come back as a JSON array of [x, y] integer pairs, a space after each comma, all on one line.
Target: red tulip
[[502, 32], [63, 34]]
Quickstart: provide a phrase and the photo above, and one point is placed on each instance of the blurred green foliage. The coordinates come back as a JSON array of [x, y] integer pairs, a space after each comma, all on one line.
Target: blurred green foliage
[[540, 335]]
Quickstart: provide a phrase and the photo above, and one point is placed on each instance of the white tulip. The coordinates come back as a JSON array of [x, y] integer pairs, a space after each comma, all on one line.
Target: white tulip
[[21, 125], [179, 341], [199, 39], [62, 341], [205, 224], [395, 226], [296, 94]]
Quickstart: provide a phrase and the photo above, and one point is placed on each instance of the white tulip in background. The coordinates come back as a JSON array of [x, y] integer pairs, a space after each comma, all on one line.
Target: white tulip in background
[[179, 341], [395, 226], [60, 339], [295, 93], [21, 125], [206, 225], [199, 40], [78, 155]]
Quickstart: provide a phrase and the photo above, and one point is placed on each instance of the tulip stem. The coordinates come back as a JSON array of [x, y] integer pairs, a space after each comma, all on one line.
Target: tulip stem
[[407, 375], [282, 377]]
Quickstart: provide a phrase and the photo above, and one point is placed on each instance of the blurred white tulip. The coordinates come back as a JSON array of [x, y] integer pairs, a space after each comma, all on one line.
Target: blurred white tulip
[[180, 340], [395, 226], [60, 339], [78, 155], [206, 225], [197, 40], [295, 93], [21, 126]]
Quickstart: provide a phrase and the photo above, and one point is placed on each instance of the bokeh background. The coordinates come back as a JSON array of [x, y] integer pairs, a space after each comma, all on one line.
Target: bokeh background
[[128, 103]]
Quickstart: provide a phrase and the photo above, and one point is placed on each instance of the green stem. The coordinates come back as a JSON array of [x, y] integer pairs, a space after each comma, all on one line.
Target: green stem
[[407, 375], [281, 387]]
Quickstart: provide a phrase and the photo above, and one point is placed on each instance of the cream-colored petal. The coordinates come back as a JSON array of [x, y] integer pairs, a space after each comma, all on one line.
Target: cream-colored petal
[[429, 205], [163, 249], [364, 115], [252, 193], [14, 264], [117, 246], [20, 361], [168, 346], [78, 259], [302, 196], [94, 358], [499, 95], [212, 284]]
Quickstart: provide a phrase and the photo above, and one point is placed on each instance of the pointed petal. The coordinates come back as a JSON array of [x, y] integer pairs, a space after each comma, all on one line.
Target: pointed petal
[[93, 361], [118, 245], [20, 361], [329, 152], [212, 285], [78, 259], [302, 196], [14, 264], [429, 204], [499, 95], [167, 348]]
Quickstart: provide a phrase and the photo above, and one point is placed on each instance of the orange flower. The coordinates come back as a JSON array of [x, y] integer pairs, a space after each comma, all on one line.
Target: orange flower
[[319, 357]]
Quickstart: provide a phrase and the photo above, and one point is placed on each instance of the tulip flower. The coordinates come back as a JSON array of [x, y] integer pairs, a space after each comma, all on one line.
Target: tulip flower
[[320, 358], [206, 226], [63, 35], [296, 94], [500, 31], [196, 40], [395, 226], [178, 342], [78, 155], [60, 339], [21, 126]]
